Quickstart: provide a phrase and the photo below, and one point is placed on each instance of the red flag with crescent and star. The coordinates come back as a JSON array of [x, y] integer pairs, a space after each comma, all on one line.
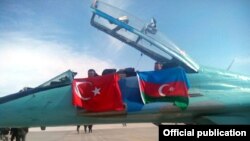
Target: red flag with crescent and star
[[97, 94], [164, 85]]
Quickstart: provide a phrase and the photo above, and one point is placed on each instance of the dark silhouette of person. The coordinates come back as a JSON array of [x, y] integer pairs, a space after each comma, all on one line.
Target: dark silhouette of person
[[90, 128], [4, 134], [85, 128], [77, 128], [14, 134], [91, 73], [23, 132], [158, 66], [19, 134]]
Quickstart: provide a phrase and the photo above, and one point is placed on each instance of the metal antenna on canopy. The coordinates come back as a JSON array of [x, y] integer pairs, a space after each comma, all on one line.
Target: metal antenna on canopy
[[139, 60], [230, 65]]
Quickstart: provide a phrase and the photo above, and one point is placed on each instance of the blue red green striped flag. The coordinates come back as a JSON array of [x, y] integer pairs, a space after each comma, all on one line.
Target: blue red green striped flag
[[164, 85]]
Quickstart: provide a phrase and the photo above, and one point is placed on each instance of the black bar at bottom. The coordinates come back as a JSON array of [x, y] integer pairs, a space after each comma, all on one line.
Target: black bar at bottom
[[199, 132]]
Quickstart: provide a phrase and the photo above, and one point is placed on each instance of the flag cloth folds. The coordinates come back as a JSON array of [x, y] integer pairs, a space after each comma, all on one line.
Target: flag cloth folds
[[97, 94], [164, 85]]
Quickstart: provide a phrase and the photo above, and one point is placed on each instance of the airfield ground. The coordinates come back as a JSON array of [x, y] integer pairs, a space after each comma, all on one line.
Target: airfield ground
[[107, 132]]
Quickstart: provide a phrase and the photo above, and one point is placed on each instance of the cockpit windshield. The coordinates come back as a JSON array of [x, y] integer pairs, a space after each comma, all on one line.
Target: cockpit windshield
[[62, 79], [144, 36]]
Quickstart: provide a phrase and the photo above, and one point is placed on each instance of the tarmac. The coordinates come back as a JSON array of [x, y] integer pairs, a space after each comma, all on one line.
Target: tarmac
[[103, 132]]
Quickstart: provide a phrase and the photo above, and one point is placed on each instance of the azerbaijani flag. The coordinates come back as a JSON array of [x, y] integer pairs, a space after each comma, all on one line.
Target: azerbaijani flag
[[164, 85]]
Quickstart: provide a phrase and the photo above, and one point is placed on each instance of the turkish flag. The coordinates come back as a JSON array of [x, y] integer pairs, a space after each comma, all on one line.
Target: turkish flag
[[98, 94]]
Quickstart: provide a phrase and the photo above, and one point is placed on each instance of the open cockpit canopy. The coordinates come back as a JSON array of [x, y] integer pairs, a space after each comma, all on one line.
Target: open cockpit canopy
[[143, 36]]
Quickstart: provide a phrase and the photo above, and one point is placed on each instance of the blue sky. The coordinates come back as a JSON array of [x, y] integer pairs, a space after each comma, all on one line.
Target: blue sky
[[40, 39]]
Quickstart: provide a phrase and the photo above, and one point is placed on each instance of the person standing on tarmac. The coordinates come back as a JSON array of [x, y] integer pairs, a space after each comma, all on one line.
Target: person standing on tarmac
[[91, 73]]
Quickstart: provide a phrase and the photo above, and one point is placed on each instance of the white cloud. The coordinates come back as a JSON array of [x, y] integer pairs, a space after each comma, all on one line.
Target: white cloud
[[26, 61], [31, 60]]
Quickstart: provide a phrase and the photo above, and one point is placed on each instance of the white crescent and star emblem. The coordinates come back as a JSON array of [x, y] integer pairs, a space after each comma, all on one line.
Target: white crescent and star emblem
[[171, 89], [96, 91], [78, 92]]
